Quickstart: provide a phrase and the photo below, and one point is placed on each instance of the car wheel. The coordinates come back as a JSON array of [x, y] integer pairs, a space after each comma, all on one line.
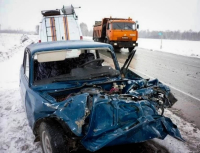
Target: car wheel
[[130, 49], [52, 138]]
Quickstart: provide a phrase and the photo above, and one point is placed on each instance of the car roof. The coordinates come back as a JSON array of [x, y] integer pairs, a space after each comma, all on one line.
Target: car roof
[[70, 44]]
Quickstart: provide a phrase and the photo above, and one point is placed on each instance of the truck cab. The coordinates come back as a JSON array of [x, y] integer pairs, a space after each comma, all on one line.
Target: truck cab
[[59, 25], [119, 32]]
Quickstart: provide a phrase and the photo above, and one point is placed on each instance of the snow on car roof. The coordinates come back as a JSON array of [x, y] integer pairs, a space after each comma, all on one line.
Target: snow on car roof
[[71, 44]]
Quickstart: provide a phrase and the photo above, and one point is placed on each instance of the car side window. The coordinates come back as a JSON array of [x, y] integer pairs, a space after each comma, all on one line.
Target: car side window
[[26, 68]]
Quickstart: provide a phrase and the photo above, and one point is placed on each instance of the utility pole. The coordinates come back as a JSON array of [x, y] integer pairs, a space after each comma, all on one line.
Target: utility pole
[[160, 34], [161, 43]]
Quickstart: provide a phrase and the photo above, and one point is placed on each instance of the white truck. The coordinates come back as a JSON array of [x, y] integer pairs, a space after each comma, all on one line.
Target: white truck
[[59, 25]]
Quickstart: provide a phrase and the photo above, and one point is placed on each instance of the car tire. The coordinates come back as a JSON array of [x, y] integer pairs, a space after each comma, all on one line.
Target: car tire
[[130, 49], [52, 138], [117, 49]]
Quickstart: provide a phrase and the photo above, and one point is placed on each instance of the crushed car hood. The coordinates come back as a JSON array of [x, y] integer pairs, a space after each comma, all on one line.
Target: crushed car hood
[[102, 118]]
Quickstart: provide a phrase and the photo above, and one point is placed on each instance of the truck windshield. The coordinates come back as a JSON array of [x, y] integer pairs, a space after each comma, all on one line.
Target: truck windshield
[[123, 26]]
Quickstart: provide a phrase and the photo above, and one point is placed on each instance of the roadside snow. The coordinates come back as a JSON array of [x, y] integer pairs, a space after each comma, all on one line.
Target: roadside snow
[[179, 47], [16, 135], [189, 132], [9, 43]]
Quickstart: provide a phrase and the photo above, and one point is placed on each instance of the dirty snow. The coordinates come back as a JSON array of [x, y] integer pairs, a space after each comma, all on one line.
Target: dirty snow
[[189, 132], [179, 47], [16, 135]]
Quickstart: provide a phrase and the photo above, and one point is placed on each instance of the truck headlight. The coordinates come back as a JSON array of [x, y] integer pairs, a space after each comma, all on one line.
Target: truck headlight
[[115, 44], [133, 44]]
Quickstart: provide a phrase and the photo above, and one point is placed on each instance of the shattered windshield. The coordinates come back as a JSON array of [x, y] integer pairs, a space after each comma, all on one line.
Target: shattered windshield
[[123, 26], [75, 64]]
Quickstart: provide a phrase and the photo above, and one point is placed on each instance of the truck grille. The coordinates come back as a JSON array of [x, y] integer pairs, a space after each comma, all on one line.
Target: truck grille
[[124, 38]]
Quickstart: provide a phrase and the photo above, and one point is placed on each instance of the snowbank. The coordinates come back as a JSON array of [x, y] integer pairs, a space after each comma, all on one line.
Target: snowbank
[[9, 43], [16, 135]]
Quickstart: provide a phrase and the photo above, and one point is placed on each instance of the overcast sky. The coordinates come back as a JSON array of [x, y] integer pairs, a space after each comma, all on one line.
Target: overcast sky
[[151, 14]]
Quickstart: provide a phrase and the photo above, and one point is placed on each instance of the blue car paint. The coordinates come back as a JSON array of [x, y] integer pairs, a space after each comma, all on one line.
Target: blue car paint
[[113, 120]]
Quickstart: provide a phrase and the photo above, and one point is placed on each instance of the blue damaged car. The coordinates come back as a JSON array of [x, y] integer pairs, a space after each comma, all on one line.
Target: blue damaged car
[[76, 97]]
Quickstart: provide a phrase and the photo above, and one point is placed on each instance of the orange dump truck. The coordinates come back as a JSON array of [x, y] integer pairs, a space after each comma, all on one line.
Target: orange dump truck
[[119, 32]]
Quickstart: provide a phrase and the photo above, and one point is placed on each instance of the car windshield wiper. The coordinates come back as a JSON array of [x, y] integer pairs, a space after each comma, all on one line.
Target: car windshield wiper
[[100, 75], [66, 79]]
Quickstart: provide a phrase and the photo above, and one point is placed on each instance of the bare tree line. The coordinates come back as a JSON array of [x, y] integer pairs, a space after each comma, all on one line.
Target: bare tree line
[[84, 29], [20, 31], [175, 35], [17, 31]]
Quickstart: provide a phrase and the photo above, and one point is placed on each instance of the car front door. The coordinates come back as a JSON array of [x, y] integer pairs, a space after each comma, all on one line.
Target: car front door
[[27, 94]]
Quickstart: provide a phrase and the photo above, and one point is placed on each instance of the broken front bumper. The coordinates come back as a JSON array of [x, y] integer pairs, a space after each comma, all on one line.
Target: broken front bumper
[[146, 128]]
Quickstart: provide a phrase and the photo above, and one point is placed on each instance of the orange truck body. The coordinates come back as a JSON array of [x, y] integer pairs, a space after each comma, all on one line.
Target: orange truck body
[[119, 32]]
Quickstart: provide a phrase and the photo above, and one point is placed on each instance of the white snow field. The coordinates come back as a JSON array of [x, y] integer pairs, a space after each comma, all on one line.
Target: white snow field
[[179, 47], [15, 134]]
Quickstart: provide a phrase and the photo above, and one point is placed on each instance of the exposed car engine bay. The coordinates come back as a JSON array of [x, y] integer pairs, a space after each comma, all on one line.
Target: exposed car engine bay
[[140, 89], [126, 90]]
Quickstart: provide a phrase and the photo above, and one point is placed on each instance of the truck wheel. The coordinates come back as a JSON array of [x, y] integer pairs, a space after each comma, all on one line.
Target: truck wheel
[[130, 49], [52, 138], [117, 49]]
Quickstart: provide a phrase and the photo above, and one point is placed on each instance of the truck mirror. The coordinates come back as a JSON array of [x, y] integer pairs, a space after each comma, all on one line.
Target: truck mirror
[[137, 26], [108, 26]]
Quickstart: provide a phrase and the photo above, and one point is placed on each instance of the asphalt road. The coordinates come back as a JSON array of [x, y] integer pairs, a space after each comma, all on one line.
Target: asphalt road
[[180, 73]]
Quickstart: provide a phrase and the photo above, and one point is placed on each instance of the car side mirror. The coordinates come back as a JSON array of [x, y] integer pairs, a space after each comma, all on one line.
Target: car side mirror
[[137, 26]]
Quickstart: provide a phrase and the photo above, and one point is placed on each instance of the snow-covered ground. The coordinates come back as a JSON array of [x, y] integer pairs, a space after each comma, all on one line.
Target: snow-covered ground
[[179, 47], [15, 134]]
